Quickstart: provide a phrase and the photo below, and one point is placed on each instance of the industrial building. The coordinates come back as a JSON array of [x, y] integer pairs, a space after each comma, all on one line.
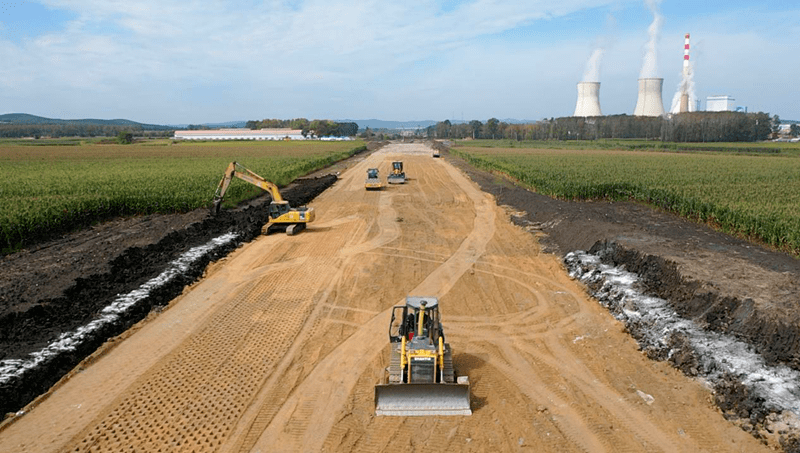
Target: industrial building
[[720, 104], [241, 134]]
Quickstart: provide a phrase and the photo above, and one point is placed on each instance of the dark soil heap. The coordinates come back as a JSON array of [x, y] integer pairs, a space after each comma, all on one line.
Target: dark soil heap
[[63, 284]]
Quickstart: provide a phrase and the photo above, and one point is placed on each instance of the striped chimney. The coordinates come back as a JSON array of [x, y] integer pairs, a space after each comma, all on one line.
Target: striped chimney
[[686, 54], [684, 103]]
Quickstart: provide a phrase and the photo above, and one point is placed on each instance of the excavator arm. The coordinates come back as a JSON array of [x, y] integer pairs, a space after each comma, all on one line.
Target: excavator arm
[[236, 170]]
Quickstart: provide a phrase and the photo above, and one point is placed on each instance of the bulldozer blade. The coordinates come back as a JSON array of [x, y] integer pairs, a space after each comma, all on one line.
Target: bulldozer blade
[[422, 399]]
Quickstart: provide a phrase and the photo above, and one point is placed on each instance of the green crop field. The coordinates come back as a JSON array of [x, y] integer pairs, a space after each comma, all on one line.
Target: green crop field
[[755, 196], [47, 190]]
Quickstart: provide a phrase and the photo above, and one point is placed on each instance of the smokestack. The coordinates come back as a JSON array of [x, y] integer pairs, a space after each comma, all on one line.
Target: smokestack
[[684, 106], [588, 99], [649, 102], [684, 98]]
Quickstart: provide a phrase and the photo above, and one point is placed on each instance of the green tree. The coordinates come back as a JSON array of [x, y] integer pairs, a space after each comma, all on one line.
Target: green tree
[[491, 126], [776, 125], [124, 138], [476, 127], [794, 130]]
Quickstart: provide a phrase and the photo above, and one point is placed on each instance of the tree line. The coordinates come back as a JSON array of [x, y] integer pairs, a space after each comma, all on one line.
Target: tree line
[[77, 130], [683, 127], [315, 128]]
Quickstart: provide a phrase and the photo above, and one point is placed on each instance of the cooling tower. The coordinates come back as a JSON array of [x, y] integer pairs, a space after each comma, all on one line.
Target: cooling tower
[[588, 99], [649, 102]]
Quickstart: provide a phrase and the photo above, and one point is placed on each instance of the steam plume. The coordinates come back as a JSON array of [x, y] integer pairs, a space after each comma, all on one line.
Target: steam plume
[[592, 71], [685, 86], [650, 64]]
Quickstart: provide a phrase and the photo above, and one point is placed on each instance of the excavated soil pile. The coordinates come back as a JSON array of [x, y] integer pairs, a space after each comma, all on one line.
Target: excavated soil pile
[[64, 284]]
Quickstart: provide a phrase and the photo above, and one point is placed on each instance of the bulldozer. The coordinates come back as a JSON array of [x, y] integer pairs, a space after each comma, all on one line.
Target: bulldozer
[[420, 378], [397, 176], [281, 215], [373, 180]]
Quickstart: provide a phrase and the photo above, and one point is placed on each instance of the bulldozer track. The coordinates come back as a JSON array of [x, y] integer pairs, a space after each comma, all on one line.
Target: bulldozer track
[[279, 347]]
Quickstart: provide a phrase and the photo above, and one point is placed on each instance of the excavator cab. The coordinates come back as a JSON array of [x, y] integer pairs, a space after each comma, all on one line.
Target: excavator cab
[[278, 208], [421, 379]]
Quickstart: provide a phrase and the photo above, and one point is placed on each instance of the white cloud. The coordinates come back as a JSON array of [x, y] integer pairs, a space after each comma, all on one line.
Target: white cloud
[[194, 61]]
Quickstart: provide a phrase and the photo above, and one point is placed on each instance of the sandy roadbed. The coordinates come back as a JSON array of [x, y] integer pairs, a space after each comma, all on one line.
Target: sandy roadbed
[[279, 347]]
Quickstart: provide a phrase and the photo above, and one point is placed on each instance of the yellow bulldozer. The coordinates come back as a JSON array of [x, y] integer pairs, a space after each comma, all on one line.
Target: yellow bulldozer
[[421, 379], [281, 215], [397, 176]]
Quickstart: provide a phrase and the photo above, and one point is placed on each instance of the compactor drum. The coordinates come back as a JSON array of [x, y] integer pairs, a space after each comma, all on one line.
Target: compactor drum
[[397, 176], [421, 379]]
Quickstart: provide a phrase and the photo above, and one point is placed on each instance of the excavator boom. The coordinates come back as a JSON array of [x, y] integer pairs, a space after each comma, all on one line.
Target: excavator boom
[[281, 214], [235, 170]]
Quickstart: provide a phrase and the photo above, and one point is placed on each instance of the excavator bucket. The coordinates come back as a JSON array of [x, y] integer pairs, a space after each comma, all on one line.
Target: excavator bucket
[[422, 399]]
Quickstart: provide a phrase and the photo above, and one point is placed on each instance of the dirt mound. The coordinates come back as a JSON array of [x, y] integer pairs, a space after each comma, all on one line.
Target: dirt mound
[[31, 319]]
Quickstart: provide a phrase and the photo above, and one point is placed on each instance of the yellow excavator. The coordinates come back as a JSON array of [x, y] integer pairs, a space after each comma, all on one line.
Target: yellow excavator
[[421, 379], [281, 215]]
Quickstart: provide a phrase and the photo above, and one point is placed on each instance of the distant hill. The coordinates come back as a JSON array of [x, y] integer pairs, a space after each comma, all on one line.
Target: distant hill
[[422, 124], [24, 118], [383, 124], [228, 124]]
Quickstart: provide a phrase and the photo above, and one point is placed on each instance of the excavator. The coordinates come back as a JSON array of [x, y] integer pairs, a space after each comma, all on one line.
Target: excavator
[[421, 379], [281, 215], [397, 176], [373, 180]]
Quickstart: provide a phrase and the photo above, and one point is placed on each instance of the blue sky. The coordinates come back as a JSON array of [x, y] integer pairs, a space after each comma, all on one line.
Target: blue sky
[[170, 62]]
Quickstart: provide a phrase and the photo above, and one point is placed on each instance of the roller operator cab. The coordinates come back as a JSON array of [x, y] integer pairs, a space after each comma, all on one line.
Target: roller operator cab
[[373, 181]]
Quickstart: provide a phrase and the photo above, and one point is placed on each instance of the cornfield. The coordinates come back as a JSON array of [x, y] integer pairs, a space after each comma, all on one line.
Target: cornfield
[[48, 190], [757, 197]]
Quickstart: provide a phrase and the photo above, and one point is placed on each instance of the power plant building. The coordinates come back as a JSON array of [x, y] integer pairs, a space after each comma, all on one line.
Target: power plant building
[[649, 102], [720, 104], [588, 99]]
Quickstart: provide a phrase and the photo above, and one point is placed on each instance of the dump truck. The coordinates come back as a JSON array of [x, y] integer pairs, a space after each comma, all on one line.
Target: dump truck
[[373, 180], [420, 378], [282, 217], [397, 176]]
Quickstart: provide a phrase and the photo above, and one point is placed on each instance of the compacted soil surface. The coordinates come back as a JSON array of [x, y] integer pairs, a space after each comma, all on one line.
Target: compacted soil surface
[[279, 345]]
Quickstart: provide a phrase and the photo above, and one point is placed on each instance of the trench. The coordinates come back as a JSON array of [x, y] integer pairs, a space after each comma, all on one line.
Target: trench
[[101, 306], [760, 394]]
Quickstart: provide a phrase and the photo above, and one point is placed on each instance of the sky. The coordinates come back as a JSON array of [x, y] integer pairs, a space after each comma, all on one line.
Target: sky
[[189, 61]]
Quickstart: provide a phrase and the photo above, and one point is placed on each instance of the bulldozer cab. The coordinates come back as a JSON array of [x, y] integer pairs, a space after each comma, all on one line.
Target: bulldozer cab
[[372, 173], [397, 167], [405, 321]]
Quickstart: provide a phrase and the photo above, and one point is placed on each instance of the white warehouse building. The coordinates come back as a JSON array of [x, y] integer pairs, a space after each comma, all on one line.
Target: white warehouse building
[[241, 134], [720, 104]]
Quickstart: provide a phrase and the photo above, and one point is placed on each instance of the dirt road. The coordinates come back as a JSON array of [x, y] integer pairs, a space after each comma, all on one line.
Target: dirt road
[[279, 347]]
